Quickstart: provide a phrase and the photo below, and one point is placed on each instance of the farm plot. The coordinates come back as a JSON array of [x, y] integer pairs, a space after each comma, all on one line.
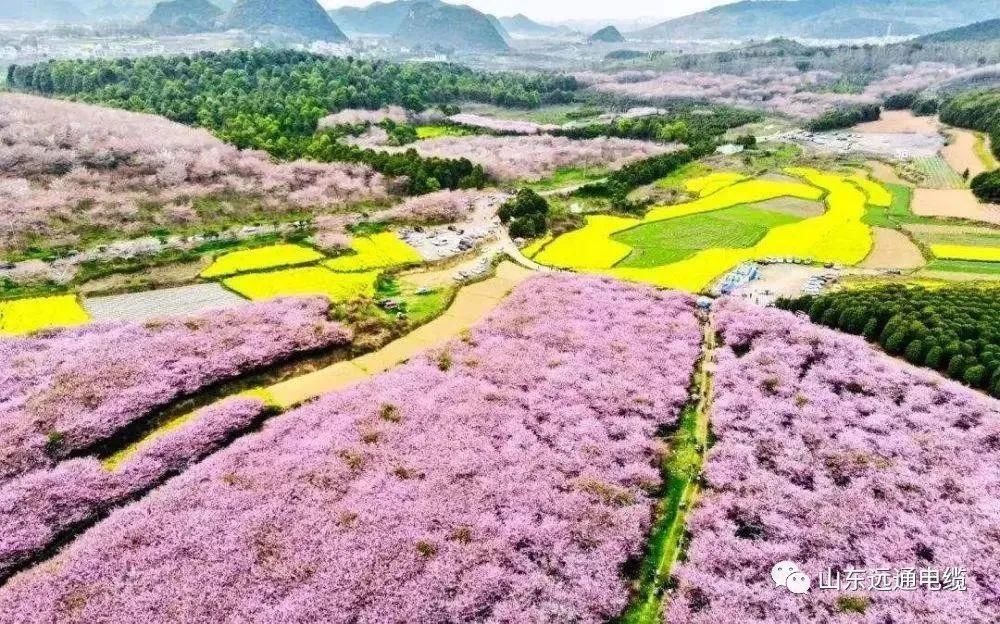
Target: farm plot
[[151, 304], [838, 235], [672, 240], [24, 316], [953, 203], [304, 281], [426, 492], [936, 173], [378, 251], [891, 249], [966, 252], [273, 256]]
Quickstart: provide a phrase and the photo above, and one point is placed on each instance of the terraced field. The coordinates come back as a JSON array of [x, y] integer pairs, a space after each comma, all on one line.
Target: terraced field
[[303, 281]]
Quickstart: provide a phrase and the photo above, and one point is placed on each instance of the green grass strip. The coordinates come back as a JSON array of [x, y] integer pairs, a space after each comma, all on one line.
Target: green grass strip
[[681, 469]]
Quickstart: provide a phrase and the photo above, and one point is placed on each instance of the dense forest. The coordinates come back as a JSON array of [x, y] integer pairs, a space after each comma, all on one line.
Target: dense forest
[[978, 110], [617, 186], [683, 126], [845, 117], [273, 99], [955, 330]]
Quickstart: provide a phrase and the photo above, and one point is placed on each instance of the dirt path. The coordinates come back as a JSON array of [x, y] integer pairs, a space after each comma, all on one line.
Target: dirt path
[[472, 304], [892, 250]]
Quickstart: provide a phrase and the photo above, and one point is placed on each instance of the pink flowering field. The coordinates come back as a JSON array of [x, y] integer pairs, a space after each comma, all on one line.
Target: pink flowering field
[[509, 158], [506, 477], [65, 165], [837, 457], [62, 392], [41, 506]]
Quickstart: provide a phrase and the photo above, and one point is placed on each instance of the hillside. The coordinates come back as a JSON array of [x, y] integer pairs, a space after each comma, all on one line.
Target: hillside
[[300, 17], [523, 26], [499, 28], [980, 31], [40, 10], [822, 19], [440, 25], [608, 34], [184, 16], [379, 18]]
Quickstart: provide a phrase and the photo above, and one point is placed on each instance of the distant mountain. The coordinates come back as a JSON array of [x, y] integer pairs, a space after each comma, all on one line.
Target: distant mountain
[[499, 27], [447, 26], [305, 18], [40, 11], [608, 34], [980, 31], [116, 10], [184, 16], [380, 18], [822, 19], [523, 26]]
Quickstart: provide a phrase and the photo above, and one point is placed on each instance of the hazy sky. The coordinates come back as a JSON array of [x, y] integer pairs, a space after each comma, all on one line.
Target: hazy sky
[[555, 10]]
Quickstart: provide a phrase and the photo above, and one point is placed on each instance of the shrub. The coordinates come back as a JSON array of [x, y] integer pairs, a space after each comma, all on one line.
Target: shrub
[[526, 214]]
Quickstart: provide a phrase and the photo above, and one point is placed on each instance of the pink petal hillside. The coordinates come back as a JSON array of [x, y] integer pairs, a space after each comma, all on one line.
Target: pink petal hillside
[[503, 478], [66, 166], [511, 158], [63, 392], [38, 508], [839, 458]]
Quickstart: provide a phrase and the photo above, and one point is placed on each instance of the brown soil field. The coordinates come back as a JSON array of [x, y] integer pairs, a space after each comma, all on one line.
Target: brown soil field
[[893, 250], [955, 203], [961, 152], [884, 173], [899, 122]]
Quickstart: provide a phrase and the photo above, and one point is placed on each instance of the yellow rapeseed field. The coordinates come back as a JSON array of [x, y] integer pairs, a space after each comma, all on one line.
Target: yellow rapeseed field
[[260, 258], [589, 247], [966, 252], [877, 194], [747, 192], [379, 251], [837, 236], [708, 184], [304, 281], [23, 316]]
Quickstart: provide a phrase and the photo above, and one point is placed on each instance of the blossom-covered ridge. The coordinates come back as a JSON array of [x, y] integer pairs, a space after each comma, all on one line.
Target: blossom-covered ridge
[[837, 457], [40, 507], [506, 477], [62, 392]]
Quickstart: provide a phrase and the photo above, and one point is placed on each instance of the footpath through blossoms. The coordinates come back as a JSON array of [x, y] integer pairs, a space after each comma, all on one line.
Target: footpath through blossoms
[[504, 477]]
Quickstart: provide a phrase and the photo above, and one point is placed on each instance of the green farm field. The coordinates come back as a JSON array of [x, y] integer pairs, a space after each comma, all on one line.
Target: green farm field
[[664, 242]]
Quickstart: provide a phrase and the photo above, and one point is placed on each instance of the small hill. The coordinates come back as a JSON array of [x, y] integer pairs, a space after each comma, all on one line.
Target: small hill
[[446, 26], [522, 26], [379, 18], [980, 31], [184, 16], [608, 34], [304, 18], [821, 19], [40, 11]]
